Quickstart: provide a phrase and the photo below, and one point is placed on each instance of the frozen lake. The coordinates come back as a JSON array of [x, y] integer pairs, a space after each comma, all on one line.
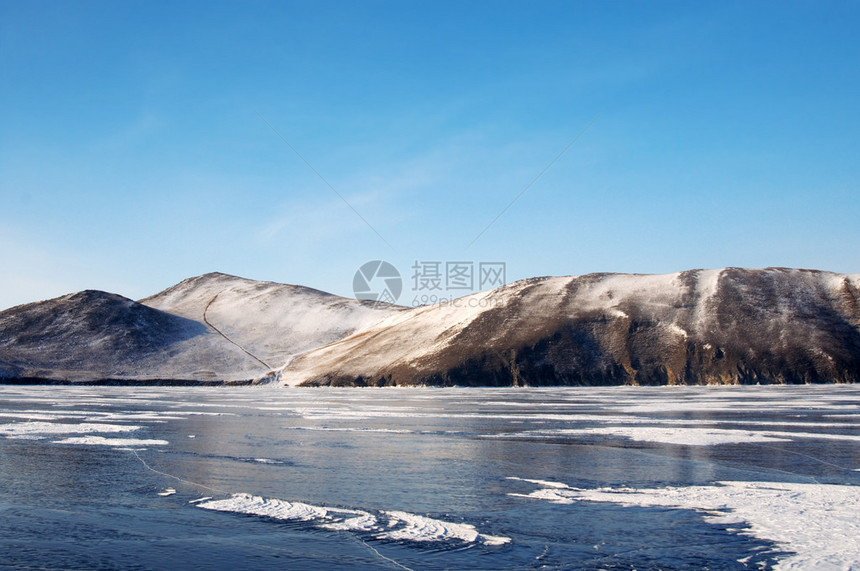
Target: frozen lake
[[561, 478]]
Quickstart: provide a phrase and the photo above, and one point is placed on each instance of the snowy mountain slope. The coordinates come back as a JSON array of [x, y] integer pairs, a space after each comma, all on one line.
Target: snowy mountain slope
[[92, 335], [210, 328], [272, 321], [700, 326]]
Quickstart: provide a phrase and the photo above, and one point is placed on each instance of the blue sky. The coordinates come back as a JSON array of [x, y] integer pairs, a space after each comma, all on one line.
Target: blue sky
[[133, 153]]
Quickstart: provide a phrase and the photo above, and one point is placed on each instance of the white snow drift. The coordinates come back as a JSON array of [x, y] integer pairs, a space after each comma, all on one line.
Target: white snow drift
[[393, 525], [817, 522]]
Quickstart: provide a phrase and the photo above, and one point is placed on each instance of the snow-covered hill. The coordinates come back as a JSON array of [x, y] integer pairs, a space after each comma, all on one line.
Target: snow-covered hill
[[210, 328], [93, 335], [272, 321], [700, 326]]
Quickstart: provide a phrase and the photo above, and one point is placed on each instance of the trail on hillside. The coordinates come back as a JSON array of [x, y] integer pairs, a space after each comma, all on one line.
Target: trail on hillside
[[221, 333]]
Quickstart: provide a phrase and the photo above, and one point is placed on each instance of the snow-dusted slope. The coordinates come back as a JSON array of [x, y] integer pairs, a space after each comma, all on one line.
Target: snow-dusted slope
[[701, 326], [271, 321], [210, 328], [8, 371], [93, 335]]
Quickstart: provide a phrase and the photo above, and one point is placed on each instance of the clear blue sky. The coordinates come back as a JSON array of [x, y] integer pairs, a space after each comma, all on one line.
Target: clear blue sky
[[133, 155]]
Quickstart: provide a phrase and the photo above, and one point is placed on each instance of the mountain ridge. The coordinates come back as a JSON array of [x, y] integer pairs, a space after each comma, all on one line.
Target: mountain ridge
[[724, 326]]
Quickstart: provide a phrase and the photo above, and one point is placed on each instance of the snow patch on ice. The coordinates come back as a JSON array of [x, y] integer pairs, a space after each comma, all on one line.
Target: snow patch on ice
[[421, 528], [273, 508], [726, 404], [392, 525], [46, 416], [544, 483], [102, 441], [351, 429], [46, 428], [133, 417], [323, 517], [817, 522], [681, 436], [361, 521]]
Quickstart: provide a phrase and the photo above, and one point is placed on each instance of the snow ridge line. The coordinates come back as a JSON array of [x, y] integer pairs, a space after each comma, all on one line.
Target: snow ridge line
[[219, 332]]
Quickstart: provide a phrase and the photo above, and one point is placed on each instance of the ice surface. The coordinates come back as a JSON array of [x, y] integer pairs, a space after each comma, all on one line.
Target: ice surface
[[798, 517]]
